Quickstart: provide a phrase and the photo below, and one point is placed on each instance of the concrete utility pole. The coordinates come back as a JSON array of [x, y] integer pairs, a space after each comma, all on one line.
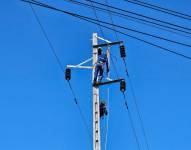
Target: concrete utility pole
[[96, 100], [96, 112]]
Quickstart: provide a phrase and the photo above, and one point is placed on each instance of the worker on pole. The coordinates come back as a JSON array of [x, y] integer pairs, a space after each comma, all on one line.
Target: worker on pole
[[103, 109], [99, 66]]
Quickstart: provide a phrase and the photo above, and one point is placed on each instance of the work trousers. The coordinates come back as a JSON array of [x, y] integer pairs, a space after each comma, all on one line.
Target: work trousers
[[98, 71]]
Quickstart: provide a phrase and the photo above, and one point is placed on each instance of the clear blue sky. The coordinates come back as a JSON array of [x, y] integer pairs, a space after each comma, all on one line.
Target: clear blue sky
[[37, 111]]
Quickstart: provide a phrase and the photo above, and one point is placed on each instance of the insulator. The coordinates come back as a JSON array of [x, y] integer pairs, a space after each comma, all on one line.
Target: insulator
[[122, 51], [68, 74], [99, 50], [122, 86]]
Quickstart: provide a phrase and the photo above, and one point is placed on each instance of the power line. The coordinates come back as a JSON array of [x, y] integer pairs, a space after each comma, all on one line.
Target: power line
[[135, 100], [117, 38], [140, 32], [140, 15], [131, 122], [139, 112], [95, 13], [47, 38], [105, 27], [61, 67], [131, 36], [140, 20], [125, 16], [112, 22], [161, 9], [80, 110]]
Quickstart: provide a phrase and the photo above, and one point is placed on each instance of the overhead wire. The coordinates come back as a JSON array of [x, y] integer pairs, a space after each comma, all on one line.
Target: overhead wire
[[137, 108], [140, 32], [61, 67], [136, 19], [131, 122], [116, 36], [95, 13], [93, 22], [138, 112], [47, 38], [116, 31], [160, 9], [129, 113], [112, 21], [140, 15], [107, 123], [134, 97]]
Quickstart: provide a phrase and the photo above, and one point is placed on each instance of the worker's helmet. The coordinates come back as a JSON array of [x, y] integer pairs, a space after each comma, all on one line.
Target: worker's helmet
[[99, 50]]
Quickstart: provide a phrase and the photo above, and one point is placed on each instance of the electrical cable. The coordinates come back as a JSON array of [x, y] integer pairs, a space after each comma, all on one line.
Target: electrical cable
[[136, 104], [80, 108], [140, 15], [126, 105], [112, 22], [47, 38], [61, 67], [131, 36], [140, 20], [130, 117], [140, 32], [95, 13], [161, 9], [131, 122], [138, 112], [116, 35]]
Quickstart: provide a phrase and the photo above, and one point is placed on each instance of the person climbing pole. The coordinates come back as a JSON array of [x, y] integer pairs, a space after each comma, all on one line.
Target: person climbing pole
[[103, 109], [99, 66]]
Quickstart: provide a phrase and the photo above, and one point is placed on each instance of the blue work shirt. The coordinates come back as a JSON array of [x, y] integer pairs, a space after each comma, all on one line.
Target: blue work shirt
[[102, 59]]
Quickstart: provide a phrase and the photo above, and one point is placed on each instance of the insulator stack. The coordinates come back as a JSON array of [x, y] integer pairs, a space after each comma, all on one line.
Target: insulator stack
[[122, 86], [68, 74], [122, 51], [99, 50]]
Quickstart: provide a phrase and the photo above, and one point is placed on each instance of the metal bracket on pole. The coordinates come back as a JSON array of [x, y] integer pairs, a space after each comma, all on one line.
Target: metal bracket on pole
[[80, 65], [108, 44], [109, 82], [100, 38]]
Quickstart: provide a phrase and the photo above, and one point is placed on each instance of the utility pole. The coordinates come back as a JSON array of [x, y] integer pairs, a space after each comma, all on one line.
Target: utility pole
[[95, 89], [96, 112]]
